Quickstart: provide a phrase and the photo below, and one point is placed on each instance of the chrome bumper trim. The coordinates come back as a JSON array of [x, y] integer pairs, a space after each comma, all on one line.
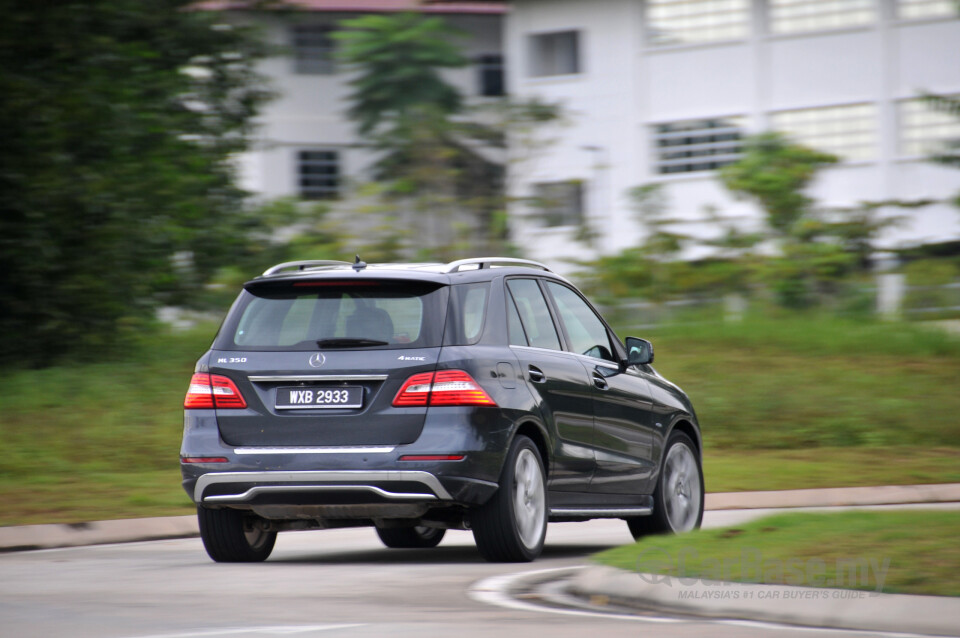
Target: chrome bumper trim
[[299, 477], [281, 378], [314, 450], [260, 489], [601, 512]]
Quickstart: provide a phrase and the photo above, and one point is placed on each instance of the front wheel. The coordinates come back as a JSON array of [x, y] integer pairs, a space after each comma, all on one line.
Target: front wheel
[[418, 537], [232, 536], [511, 526], [678, 498]]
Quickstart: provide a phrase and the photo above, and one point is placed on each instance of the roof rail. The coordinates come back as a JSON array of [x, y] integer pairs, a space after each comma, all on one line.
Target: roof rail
[[489, 262], [300, 265]]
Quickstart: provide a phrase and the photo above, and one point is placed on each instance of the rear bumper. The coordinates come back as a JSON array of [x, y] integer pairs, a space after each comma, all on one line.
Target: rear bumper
[[345, 482], [245, 487], [337, 495]]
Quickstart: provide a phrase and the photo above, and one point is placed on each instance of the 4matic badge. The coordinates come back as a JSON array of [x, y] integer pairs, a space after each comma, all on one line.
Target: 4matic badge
[[403, 358]]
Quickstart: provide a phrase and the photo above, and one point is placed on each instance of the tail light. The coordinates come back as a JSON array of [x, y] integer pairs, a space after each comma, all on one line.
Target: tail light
[[446, 387], [212, 391]]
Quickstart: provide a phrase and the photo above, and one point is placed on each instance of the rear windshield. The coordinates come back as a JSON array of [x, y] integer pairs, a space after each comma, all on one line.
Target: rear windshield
[[298, 315]]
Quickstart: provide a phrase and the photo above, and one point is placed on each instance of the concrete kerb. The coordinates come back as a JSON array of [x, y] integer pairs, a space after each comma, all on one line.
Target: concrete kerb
[[804, 606], [836, 497], [26, 537], [144, 529]]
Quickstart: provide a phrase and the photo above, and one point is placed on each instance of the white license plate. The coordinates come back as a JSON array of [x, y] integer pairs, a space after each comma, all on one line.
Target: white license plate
[[350, 396]]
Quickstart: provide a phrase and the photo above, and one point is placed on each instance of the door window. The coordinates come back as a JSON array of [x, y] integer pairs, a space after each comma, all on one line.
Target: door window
[[587, 333], [534, 314], [514, 327]]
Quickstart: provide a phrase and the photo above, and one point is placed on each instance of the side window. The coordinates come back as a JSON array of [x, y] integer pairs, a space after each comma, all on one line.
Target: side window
[[474, 309], [587, 333], [514, 326], [534, 314]]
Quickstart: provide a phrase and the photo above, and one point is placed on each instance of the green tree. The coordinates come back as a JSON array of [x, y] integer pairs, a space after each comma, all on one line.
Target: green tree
[[819, 248], [441, 166], [398, 60], [121, 119], [775, 173], [949, 153]]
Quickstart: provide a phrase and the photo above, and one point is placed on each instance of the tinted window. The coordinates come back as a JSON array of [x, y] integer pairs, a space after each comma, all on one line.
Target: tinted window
[[468, 308], [584, 328], [514, 327], [294, 316], [534, 314]]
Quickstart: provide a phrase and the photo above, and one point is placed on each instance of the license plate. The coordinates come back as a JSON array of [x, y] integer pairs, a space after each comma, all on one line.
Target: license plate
[[348, 396]]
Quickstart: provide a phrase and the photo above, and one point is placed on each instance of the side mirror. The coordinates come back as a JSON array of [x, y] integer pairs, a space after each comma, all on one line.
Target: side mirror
[[639, 351]]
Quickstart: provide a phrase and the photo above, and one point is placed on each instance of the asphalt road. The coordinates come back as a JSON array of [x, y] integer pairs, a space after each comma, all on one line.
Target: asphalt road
[[325, 583]]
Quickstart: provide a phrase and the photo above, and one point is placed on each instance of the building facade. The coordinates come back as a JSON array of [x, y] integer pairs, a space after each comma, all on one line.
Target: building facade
[[663, 91], [306, 146]]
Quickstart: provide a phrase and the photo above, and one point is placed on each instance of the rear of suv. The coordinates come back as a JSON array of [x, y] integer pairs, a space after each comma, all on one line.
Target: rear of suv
[[484, 394]]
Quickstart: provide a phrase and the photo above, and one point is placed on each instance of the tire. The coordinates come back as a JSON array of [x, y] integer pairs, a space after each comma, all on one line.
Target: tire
[[511, 526], [678, 497], [418, 537], [232, 536]]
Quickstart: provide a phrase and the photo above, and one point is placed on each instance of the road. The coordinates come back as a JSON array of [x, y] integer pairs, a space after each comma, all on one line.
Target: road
[[325, 583]]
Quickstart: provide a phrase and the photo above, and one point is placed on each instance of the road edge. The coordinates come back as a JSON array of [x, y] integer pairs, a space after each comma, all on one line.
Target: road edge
[[804, 606], [32, 537], [50, 536]]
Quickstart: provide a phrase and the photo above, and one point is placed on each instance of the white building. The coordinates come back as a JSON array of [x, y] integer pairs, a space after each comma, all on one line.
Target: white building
[[306, 146], [661, 91]]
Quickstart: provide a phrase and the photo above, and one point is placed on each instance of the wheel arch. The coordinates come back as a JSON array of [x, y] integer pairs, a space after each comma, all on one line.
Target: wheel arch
[[688, 428], [536, 433]]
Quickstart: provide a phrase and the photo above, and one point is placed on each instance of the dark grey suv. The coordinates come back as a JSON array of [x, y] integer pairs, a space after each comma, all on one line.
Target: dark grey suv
[[484, 394]]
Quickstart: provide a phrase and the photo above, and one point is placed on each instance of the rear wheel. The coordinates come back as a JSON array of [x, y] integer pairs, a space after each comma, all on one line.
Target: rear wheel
[[678, 498], [411, 537], [232, 536], [511, 526]]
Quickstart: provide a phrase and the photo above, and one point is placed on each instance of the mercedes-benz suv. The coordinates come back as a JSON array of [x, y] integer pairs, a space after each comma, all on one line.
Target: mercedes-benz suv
[[484, 394]]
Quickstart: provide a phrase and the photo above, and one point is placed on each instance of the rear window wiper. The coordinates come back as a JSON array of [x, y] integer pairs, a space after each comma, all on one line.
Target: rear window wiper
[[346, 342]]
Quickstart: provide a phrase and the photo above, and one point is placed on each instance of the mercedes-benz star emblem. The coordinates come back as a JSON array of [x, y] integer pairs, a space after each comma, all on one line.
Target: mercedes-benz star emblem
[[317, 360]]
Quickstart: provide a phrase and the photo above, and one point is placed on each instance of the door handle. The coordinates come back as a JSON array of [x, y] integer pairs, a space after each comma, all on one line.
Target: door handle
[[536, 374], [599, 381]]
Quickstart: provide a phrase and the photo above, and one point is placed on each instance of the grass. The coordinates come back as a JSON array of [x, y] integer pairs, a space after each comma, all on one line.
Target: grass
[[783, 405], [911, 552], [797, 384], [747, 470], [98, 440]]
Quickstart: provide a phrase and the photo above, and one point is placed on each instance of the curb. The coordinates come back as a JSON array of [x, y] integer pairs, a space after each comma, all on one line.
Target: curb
[[97, 533], [26, 537], [836, 497], [804, 606]]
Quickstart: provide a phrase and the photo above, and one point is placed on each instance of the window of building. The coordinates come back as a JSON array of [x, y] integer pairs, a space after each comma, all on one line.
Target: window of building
[[692, 21], [924, 130], [849, 132], [559, 203], [319, 174], [793, 16], [313, 49], [490, 75], [555, 53], [918, 9], [696, 145]]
